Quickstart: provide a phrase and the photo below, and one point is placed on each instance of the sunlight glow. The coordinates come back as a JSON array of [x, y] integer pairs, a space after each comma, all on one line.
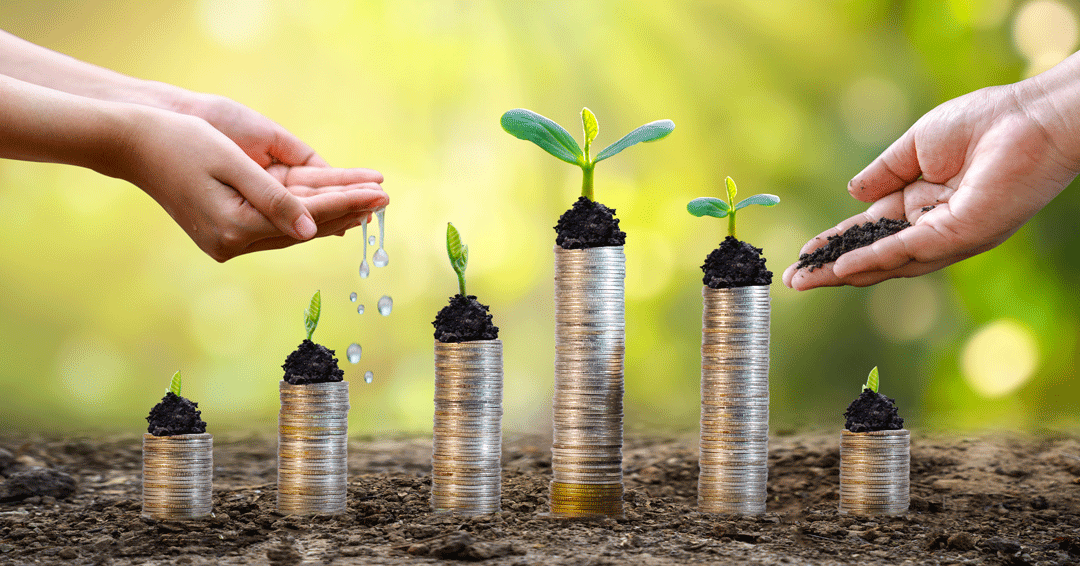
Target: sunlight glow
[[999, 358]]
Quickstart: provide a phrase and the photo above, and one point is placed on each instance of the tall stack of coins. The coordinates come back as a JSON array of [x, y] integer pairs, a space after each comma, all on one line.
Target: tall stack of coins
[[313, 445], [466, 460], [178, 474], [875, 472], [586, 452], [734, 400]]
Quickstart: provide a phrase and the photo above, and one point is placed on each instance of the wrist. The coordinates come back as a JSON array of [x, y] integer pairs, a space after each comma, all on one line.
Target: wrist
[[1052, 99]]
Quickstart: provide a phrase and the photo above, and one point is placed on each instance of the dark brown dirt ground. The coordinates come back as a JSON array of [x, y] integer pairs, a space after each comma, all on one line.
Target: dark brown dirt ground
[[986, 500]]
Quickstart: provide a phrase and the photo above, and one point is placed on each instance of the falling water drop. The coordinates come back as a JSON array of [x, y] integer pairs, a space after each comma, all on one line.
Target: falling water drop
[[380, 258], [354, 353], [352, 296], [386, 304], [371, 240], [364, 269], [360, 309], [368, 376]]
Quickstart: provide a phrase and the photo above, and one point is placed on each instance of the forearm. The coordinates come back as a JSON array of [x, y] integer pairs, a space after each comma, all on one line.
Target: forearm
[[42, 124], [23, 60], [1052, 99]]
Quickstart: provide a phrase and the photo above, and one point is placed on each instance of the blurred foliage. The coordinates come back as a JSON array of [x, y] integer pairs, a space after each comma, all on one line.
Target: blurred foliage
[[103, 296]]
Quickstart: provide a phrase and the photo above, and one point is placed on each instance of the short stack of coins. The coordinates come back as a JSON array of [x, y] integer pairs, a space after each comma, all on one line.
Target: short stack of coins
[[178, 473], [586, 451], [313, 446], [875, 472], [734, 400], [466, 460]]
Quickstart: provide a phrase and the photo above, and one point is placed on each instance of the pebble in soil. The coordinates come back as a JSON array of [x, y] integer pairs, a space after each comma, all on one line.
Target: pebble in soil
[[175, 415], [464, 320], [312, 363], [735, 264], [853, 238], [872, 411], [588, 224]]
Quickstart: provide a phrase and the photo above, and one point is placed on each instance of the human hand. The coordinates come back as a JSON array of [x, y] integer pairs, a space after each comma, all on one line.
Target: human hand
[[985, 162], [226, 202]]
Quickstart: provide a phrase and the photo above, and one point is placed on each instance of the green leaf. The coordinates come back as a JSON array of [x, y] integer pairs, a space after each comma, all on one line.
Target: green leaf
[[872, 381], [458, 254], [763, 200], [647, 133], [731, 190], [551, 137], [174, 387], [588, 122], [311, 315], [708, 206]]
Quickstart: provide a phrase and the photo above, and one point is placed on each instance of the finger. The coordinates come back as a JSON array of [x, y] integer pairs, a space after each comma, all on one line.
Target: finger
[[336, 227], [305, 191], [892, 206], [328, 176], [924, 243], [894, 169], [282, 208], [804, 279], [291, 150]]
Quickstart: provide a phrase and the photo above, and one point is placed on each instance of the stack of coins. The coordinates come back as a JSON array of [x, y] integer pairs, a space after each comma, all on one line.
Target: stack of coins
[[466, 460], [875, 472], [734, 400], [586, 452], [313, 445], [178, 474]]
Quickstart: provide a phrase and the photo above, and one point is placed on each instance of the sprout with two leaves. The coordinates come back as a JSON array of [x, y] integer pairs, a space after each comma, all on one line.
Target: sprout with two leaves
[[709, 206], [554, 139], [175, 414], [311, 362], [465, 319]]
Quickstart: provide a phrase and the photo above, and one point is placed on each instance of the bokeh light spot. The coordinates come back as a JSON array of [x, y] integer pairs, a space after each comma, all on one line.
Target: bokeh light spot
[[236, 23], [874, 110], [981, 14], [999, 358], [1045, 32]]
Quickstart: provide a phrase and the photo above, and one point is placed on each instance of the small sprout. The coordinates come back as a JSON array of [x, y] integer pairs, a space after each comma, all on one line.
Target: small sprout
[[554, 139], [709, 206], [872, 381], [174, 387], [459, 255], [311, 314]]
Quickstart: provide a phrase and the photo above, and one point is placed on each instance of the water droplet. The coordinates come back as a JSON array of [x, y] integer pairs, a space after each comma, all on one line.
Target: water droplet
[[354, 353], [364, 269], [352, 296], [379, 258], [386, 304], [371, 240], [360, 309], [368, 376]]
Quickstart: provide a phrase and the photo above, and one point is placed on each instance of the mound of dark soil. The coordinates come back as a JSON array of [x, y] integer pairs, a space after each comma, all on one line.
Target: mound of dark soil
[[465, 319], [735, 264], [588, 224], [37, 482], [872, 411], [312, 363], [853, 238], [175, 415]]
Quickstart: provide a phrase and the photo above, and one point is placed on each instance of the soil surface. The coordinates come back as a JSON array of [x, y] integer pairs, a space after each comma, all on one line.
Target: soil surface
[[989, 500], [872, 411], [588, 224], [312, 363], [854, 238], [175, 415], [463, 320], [735, 264]]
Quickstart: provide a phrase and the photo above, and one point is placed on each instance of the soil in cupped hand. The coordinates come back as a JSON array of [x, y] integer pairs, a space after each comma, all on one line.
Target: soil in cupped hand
[[175, 415], [312, 363], [872, 411], [735, 264], [588, 224], [465, 319], [858, 236]]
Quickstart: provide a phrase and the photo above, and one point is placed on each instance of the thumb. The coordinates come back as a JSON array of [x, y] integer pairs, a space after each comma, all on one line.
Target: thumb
[[896, 168], [282, 208]]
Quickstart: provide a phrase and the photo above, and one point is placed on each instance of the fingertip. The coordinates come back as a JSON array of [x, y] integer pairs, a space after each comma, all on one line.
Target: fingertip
[[305, 227]]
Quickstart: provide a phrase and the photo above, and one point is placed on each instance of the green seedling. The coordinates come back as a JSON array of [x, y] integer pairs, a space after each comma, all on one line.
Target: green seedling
[[709, 206], [459, 255], [872, 381], [311, 314], [174, 387], [554, 139]]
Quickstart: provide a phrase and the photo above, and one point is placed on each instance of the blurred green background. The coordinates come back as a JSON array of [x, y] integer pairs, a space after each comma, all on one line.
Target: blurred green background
[[103, 297]]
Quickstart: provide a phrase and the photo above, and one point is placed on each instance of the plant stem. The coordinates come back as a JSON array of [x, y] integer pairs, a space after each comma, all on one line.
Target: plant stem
[[731, 224], [587, 181], [461, 284]]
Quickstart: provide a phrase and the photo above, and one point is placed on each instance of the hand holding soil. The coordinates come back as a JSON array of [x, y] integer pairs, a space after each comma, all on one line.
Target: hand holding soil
[[967, 176]]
